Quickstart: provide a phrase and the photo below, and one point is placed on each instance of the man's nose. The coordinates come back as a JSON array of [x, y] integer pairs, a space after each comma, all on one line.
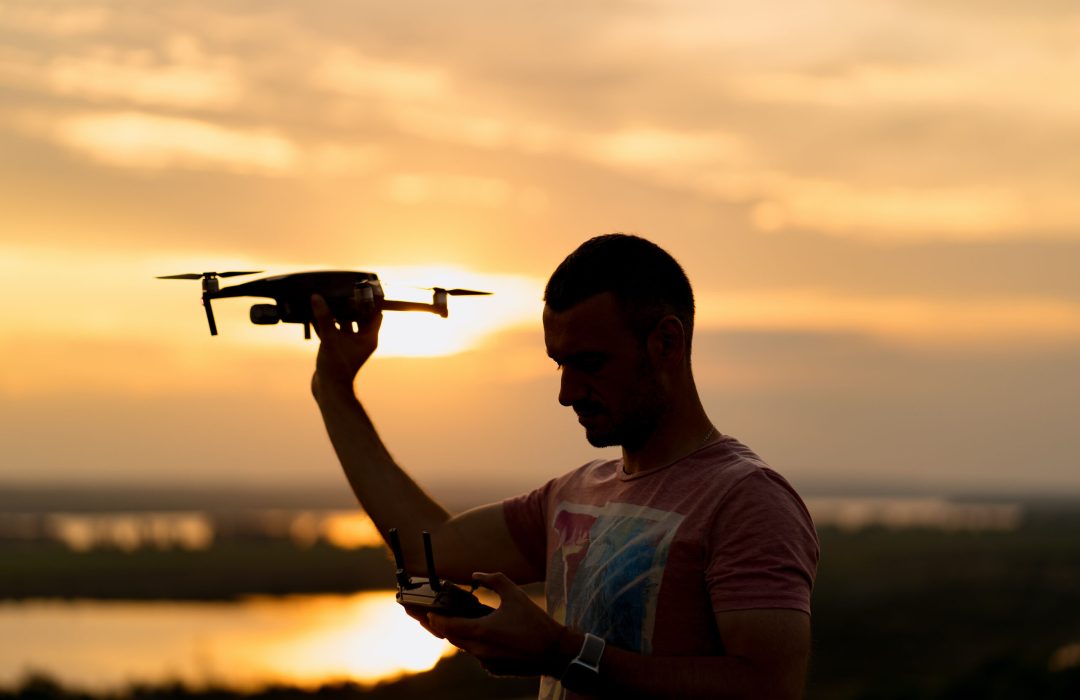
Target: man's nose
[[571, 388]]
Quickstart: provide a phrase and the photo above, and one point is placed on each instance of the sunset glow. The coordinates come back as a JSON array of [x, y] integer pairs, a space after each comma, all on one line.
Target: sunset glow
[[867, 199], [875, 203]]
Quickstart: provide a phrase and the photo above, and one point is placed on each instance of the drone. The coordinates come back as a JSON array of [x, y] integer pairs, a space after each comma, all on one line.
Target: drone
[[351, 296]]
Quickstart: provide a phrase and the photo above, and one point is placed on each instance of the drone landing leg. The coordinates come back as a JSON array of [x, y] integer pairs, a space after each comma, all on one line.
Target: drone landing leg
[[209, 315], [307, 331]]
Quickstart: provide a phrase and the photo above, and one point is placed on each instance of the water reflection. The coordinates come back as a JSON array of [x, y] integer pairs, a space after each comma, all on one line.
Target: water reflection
[[853, 514], [304, 641], [190, 530]]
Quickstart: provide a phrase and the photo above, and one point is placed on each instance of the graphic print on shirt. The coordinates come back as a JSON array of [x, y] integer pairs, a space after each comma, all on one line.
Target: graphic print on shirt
[[606, 569]]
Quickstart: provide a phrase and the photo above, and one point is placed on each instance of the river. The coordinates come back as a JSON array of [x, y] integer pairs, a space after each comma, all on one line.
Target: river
[[304, 641]]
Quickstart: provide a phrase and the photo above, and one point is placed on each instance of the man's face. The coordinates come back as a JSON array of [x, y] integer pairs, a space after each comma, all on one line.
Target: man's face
[[607, 376]]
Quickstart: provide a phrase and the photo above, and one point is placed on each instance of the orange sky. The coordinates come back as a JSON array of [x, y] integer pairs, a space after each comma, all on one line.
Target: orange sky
[[876, 204]]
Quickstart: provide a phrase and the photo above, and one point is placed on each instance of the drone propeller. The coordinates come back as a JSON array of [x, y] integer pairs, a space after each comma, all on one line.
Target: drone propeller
[[458, 292], [209, 275]]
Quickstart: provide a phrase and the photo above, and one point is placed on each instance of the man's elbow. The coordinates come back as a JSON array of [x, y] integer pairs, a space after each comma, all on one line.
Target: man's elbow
[[772, 683]]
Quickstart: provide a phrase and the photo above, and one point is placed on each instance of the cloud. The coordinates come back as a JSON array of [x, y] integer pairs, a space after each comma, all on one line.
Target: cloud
[[992, 325], [53, 20], [843, 119], [451, 124], [664, 150], [1027, 84], [418, 188], [148, 141], [906, 212], [349, 72], [186, 79]]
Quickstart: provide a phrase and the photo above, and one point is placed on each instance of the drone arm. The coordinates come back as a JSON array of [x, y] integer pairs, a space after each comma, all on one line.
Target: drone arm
[[209, 314], [392, 305]]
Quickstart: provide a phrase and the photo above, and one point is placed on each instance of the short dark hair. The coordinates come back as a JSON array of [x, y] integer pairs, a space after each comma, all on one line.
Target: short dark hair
[[647, 282]]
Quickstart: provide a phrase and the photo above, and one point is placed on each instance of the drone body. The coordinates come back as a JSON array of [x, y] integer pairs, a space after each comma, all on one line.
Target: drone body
[[351, 296]]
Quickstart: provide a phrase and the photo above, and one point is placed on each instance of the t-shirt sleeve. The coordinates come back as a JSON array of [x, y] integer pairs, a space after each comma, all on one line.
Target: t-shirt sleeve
[[526, 518], [762, 547]]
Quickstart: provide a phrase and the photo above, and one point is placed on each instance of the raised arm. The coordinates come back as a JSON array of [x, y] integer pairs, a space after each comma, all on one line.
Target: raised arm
[[474, 540]]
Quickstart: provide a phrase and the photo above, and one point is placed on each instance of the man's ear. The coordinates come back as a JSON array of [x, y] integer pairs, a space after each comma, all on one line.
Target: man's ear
[[667, 342]]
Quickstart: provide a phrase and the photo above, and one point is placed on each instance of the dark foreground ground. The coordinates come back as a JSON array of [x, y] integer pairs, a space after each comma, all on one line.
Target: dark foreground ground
[[898, 614]]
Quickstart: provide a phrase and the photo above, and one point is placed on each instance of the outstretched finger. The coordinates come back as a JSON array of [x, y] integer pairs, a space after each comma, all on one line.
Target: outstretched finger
[[324, 320], [370, 319]]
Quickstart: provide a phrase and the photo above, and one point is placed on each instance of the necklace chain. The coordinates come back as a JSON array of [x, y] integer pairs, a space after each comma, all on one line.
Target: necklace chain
[[708, 435]]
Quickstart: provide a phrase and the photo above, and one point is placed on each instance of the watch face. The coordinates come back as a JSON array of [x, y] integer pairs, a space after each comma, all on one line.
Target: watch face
[[583, 673], [579, 677]]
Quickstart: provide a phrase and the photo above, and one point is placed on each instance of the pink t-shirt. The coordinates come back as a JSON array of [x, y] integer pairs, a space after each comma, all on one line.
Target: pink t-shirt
[[645, 560]]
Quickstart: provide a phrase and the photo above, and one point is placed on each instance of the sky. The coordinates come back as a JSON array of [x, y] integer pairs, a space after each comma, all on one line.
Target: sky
[[875, 202]]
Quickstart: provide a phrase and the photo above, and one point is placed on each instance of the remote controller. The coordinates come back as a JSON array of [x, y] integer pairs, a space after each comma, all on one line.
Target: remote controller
[[432, 594]]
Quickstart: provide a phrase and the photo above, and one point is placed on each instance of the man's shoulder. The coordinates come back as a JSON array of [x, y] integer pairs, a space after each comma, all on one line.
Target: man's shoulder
[[725, 462], [729, 470]]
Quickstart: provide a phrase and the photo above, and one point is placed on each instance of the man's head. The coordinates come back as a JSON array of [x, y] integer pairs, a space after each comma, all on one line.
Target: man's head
[[618, 321], [645, 280]]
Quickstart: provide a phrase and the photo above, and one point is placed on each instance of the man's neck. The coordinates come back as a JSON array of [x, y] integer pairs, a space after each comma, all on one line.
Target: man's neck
[[679, 434]]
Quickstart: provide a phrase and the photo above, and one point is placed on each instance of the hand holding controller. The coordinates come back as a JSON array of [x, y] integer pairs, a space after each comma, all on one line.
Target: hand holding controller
[[423, 595]]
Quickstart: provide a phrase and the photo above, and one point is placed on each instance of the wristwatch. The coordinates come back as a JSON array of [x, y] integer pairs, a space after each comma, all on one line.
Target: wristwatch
[[583, 673]]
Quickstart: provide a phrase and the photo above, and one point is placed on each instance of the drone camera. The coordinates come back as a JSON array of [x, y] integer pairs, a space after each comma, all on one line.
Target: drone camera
[[265, 314]]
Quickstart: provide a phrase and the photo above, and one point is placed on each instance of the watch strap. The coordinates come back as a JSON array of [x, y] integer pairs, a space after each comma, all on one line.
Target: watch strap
[[584, 671]]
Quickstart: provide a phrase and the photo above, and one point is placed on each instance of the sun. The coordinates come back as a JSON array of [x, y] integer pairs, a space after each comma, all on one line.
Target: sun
[[515, 301]]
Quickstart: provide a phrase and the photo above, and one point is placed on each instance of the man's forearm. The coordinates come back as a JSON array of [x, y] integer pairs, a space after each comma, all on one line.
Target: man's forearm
[[767, 653], [390, 497], [625, 674]]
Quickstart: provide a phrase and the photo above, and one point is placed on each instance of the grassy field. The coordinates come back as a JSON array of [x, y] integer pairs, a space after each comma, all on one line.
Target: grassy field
[[898, 614], [227, 570], [930, 614]]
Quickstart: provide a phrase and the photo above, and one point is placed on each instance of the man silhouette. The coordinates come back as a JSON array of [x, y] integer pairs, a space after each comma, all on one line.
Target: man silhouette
[[682, 569]]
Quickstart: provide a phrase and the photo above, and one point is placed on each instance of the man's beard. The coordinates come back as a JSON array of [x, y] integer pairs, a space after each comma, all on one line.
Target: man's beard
[[637, 423], [632, 433]]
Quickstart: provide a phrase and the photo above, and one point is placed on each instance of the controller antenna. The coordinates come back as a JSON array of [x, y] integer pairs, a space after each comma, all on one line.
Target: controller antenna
[[399, 559], [429, 556]]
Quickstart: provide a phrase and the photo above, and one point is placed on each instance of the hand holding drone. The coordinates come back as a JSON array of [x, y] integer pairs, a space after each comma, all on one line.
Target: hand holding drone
[[351, 296]]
